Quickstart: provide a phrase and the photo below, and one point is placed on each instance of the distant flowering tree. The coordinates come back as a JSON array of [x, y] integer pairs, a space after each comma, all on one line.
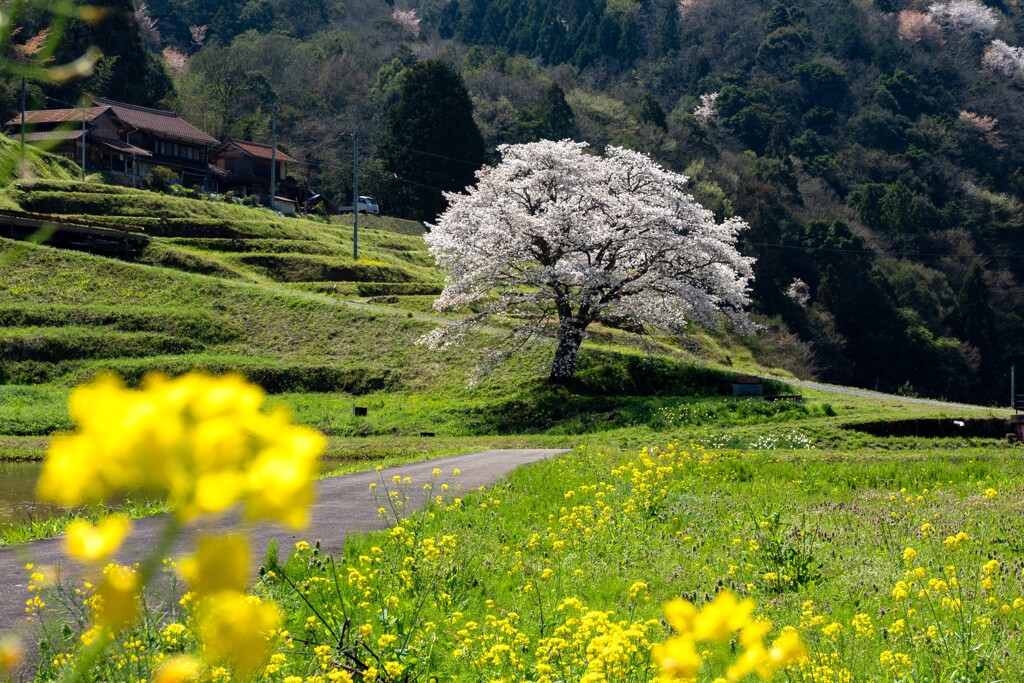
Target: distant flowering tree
[[918, 27], [966, 17], [1003, 59], [556, 237], [708, 108]]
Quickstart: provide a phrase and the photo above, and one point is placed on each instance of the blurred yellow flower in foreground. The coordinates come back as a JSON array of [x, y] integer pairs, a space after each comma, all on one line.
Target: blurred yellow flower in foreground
[[117, 597], [12, 654], [203, 443], [220, 563], [235, 629], [178, 670], [89, 543], [678, 657]]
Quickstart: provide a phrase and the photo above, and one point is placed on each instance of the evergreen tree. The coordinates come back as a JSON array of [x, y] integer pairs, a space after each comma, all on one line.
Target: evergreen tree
[[974, 311], [131, 73], [668, 30], [432, 143], [557, 120], [652, 113]]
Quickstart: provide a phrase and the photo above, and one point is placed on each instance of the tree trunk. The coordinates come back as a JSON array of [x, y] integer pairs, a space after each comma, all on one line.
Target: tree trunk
[[570, 337]]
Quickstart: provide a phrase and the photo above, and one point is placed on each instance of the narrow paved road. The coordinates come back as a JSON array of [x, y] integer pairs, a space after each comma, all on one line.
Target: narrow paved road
[[343, 504], [867, 393]]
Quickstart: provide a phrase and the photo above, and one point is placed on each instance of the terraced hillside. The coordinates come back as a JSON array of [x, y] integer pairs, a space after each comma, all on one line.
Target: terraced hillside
[[222, 287], [243, 243]]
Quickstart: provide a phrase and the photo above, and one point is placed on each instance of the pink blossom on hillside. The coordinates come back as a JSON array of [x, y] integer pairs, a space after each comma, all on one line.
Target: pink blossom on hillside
[[708, 107], [918, 27], [407, 19], [175, 60], [987, 125]]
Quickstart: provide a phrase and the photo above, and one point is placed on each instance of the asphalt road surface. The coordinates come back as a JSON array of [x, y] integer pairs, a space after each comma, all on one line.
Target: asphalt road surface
[[343, 504]]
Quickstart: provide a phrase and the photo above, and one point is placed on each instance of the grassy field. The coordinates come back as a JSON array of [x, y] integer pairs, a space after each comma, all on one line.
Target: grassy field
[[896, 559], [899, 565]]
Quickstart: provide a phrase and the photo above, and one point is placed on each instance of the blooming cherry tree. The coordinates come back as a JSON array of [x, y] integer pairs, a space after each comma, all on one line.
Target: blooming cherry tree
[[966, 17], [555, 238], [1003, 59]]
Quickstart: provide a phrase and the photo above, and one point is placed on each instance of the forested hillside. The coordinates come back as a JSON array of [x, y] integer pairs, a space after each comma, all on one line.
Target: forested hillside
[[875, 148]]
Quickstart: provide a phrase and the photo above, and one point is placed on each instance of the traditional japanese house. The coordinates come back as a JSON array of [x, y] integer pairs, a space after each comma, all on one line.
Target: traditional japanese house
[[126, 141], [247, 165]]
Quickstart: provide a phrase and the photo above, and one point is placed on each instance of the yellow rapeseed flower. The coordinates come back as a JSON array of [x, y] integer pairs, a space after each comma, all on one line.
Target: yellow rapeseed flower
[[203, 443], [89, 543], [12, 654], [117, 596], [680, 615], [178, 670], [221, 563], [677, 657], [722, 617], [787, 649], [234, 628]]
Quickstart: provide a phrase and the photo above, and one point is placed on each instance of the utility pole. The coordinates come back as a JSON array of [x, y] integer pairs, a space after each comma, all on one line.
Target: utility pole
[[273, 158], [355, 196], [1013, 386], [23, 114], [83, 142]]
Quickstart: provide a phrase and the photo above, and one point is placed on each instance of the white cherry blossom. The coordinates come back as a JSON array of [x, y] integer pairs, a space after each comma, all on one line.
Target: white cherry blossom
[[554, 239]]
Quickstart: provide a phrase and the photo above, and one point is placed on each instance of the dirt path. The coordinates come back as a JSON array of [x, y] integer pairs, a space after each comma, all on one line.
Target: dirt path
[[343, 504]]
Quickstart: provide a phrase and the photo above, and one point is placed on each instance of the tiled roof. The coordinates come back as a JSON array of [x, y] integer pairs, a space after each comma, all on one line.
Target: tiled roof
[[120, 146], [260, 151], [44, 116], [41, 136], [157, 121]]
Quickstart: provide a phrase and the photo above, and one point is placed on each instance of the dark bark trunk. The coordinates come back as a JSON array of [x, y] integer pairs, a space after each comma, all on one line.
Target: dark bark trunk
[[570, 337]]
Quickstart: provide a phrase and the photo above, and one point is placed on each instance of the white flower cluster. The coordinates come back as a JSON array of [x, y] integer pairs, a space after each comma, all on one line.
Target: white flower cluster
[[407, 19], [966, 17], [708, 107], [1003, 59]]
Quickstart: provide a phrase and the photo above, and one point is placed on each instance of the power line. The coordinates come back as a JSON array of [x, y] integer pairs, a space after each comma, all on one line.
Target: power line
[[439, 156]]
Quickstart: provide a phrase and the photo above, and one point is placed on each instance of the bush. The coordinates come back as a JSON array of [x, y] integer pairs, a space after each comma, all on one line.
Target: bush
[[161, 178]]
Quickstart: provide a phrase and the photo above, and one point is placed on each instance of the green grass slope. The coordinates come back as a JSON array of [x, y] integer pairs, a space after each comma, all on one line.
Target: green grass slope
[[239, 242], [33, 163], [66, 316]]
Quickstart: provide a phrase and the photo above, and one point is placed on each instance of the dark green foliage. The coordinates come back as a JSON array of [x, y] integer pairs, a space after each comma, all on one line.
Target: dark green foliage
[[652, 113], [128, 72], [823, 84], [161, 178], [432, 143], [557, 121]]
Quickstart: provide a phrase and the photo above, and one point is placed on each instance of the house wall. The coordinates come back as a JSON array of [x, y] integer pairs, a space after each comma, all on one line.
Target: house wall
[[104, 127]]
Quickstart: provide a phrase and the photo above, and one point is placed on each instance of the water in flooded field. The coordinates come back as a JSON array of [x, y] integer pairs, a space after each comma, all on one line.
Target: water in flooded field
[[18, 502]]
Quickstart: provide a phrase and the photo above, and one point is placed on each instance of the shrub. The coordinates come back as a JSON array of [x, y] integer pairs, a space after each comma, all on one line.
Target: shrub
[[161, 178]]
